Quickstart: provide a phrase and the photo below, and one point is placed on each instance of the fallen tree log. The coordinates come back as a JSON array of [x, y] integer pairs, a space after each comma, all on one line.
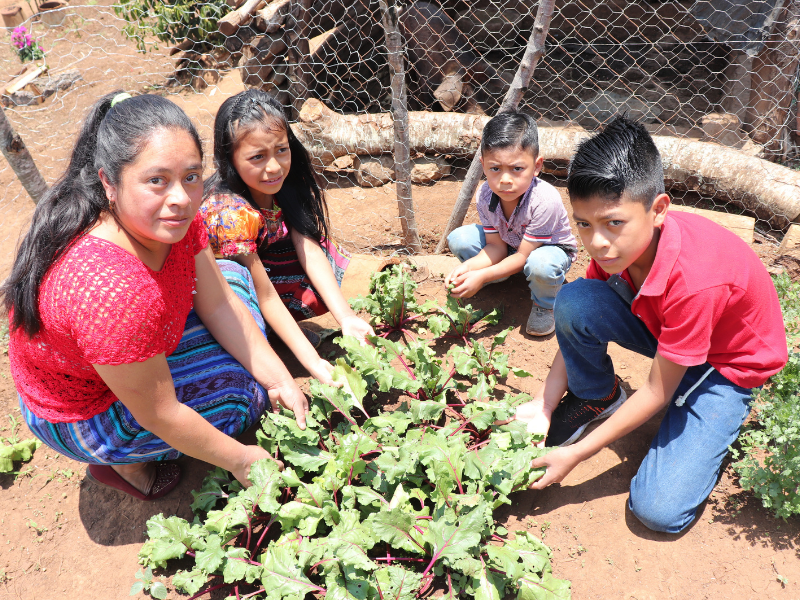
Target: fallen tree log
[[769, 190], [271, 18]]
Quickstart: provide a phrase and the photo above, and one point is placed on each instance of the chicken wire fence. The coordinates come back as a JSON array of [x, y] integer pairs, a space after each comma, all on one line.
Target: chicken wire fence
[[716, 71]]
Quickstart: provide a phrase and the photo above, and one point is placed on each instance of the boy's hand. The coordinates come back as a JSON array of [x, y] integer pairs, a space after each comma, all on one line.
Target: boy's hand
[[559, 463], [535, 416], [467, 285], [461, 269]]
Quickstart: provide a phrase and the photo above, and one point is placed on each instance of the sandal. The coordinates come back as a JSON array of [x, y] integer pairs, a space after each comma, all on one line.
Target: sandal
[[167, 477]]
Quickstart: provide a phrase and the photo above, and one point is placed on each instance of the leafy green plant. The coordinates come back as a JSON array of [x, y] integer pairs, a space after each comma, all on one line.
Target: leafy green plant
[[372, 506], [145, 583], [456, 319], [390, 303], [13, 449], [488, 365], [173, 21], [768, 461]]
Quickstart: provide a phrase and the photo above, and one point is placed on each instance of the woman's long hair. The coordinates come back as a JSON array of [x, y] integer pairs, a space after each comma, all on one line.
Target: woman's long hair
[[300, 197], [110, 139]]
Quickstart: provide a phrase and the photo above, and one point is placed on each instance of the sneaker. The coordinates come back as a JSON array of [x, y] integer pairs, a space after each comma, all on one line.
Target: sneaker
[[540, 321], [572, 415]]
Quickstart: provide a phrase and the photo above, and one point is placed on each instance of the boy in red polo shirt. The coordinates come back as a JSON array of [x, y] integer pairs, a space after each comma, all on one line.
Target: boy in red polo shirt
[[673, 286]]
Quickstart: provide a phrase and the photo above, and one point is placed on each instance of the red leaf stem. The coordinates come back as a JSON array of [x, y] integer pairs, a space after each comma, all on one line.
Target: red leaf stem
[[209, 590], [391, 558], [254, 593], [261, 539]]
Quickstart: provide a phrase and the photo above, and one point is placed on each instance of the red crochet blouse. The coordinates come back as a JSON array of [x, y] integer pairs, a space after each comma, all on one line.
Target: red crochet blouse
[[101, 305]]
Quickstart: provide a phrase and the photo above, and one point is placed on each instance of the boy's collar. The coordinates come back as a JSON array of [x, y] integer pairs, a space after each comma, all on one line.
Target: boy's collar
[[669, 247]]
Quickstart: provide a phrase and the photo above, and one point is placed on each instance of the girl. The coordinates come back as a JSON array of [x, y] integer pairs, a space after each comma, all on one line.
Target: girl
[[128, 347], [265, 210]]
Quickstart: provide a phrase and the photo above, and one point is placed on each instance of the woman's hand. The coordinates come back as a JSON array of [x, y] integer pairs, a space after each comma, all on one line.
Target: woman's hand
[[251, 455], [288, 395], [322, 371], [357, 327], [536, 417], [559, 463]]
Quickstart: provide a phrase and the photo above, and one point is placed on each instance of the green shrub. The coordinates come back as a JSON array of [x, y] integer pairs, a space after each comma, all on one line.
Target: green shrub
[[768, 462], [173, 21]]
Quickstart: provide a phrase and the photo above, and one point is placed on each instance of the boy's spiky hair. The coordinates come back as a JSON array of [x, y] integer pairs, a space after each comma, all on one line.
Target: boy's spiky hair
[[511, 130], [621, 159]]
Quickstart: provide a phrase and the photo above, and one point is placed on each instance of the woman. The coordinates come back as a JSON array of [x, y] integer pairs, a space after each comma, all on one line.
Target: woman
[[128, 347]]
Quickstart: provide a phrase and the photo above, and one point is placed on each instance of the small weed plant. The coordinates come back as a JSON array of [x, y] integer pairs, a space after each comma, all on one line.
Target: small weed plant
[[768, 462], [13, 449], [374, 505]]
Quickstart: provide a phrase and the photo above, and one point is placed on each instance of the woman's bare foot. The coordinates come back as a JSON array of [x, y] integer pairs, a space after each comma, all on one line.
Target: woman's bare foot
[[139, 475]]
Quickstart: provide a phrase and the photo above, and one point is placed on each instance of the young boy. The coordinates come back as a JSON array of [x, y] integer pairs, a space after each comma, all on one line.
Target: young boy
[[524, 225], [672, 286]]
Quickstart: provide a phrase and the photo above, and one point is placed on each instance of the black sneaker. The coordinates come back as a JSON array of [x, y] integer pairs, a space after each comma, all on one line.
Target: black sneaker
[[573, 414]]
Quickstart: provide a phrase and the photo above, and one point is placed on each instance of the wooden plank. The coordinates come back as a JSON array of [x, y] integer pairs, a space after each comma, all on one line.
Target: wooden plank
[[24, 79], [791, 241], [741, 225]]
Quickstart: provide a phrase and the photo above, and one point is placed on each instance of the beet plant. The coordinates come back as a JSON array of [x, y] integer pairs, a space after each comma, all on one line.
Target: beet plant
[[374, 504], [390, 303], [456, 319]]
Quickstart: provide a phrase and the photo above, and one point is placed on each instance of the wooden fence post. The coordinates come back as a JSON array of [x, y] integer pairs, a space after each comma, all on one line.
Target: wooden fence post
[[20, 160], [297, 26], [533, 52], [402, 156]]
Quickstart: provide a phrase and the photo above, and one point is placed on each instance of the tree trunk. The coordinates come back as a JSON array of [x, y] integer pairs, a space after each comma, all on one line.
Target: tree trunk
[[230, 23], [402, 158], [20, 160], [769, 190], [772, 79], [533, 53]]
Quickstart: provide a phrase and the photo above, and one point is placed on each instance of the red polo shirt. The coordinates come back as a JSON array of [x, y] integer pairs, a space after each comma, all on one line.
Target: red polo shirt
[[709, 298]]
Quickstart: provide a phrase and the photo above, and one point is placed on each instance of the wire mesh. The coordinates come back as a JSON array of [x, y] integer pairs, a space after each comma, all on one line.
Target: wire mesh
[[714, 70]]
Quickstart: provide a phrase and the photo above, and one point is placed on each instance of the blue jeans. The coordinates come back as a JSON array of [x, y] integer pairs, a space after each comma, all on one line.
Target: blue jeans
[[545, 268], [684, 460]]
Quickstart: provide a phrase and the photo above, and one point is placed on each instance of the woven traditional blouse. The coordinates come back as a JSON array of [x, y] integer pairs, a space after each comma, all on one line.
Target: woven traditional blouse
[[236, 227], [101, 305]]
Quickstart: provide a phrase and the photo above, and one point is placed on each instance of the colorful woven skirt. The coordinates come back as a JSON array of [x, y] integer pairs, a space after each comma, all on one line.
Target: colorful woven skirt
[[290, 280], [207, 379]]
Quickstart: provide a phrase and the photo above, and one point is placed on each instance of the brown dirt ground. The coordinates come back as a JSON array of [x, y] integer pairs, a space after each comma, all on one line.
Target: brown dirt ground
[[63, 537]]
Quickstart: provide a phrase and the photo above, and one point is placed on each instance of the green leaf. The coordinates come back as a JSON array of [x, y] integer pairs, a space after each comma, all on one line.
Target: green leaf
[[353, 385], [282, 576], [189, 581], [304, 517], [451, 540], [396, 583], [395, 527], [488, 588], [546, 587], [158, 590], [136, 588], [210, 559]]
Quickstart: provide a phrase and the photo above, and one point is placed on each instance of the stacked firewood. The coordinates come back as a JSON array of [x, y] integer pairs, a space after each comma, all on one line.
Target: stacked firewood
[[346, 60]]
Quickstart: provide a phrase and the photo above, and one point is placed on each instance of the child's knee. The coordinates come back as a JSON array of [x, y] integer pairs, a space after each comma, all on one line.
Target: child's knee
[[659, 511], [465, 242], [543, 271]]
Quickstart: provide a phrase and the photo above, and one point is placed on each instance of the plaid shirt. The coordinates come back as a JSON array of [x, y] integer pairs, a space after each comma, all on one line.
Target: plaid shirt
[[540, 217]]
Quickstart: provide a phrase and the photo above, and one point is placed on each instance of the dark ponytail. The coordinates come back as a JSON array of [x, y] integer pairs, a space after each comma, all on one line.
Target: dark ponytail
[[110, 139], [300, 197]]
